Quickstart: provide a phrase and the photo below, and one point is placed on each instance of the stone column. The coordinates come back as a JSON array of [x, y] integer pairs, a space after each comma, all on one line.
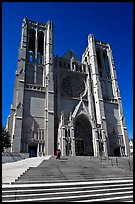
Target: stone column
[[105, 144], [71, 63], [95, 77], [63, 142], [42, 148], [46, 116], [120, 152], [105, 148], [49, 89], [72, 141], [13, 132], [113, 73], [90, 97], [38, 149], [96, 143]]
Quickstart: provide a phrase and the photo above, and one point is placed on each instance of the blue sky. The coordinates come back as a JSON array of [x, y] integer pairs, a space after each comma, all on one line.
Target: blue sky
[[73, 21]]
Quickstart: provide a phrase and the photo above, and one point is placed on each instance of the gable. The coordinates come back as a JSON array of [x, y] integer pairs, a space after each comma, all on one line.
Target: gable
[[79, 108], [69, 55]]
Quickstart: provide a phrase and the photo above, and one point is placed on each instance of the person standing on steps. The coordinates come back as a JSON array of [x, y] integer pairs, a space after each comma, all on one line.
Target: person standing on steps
[[58, 154]]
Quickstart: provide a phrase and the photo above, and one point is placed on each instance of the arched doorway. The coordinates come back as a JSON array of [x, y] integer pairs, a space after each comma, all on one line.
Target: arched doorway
[[83, 137]]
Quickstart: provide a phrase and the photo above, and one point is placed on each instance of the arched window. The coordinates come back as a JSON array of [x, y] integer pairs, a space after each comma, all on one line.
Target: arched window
[[39, 58], [31, 47], [98, 60], [40, 47], [106, 62]]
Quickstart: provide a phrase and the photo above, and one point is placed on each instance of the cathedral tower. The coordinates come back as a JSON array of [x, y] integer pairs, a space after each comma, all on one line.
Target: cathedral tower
[[32, 113], [110, 121]]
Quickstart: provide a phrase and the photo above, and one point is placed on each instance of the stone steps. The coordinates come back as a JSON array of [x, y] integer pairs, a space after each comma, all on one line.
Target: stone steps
[[85, 191], [71, 179], [71, 168]]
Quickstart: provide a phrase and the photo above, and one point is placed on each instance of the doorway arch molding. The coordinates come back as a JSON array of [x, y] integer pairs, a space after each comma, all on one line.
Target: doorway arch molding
[[83, 135]]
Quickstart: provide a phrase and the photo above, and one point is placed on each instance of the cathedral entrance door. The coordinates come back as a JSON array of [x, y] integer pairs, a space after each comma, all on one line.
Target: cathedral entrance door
[[32, 150], [83, 137], [79, 147], [117, 152]]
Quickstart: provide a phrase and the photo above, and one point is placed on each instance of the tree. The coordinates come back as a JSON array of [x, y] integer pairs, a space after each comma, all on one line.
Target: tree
[[5, 139]]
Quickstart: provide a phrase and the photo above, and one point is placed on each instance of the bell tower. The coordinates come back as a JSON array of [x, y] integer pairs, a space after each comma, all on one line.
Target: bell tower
[[32, 113]]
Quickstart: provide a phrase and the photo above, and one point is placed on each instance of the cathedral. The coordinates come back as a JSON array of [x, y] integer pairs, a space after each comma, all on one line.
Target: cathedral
[[62, 102]]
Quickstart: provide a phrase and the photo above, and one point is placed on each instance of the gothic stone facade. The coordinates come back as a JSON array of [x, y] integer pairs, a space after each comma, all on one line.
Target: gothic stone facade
[[62, 102]]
